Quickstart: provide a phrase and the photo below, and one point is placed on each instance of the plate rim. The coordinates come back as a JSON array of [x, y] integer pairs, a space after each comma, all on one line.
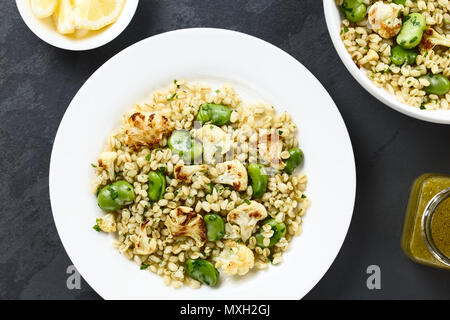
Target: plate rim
[[352, 165]]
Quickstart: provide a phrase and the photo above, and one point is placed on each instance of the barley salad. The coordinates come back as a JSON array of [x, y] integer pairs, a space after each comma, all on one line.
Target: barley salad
[[196, 183], [403, 46]]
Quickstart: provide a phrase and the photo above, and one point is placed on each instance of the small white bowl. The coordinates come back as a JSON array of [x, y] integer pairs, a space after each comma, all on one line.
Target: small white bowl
[[333, 18], [46, 31]]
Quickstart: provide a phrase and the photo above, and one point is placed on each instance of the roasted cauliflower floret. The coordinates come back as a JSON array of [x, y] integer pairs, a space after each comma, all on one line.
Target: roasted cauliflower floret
[[214, 140], [232, 232], [143, 245], [185, 222], [106, 161], [146, 130], [384, 19], [235, 259], [107, 223], [232, 173], [247, 216], [185, 173], [432, 38], [270, 147]]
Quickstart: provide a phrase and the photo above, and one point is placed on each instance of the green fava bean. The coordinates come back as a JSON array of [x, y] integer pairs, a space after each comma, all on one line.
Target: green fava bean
[[196, 149], [115, 196], [279, 231], [215, 227], [439, 84], [400, 55], [203, 271], [402, 2], [182, 144], [295, 159], [412, 31], [156, 186], [354, 10], [218, 114], [258, 176]]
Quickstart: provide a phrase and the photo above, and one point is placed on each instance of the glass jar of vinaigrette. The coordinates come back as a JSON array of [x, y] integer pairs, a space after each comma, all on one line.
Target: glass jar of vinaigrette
[[426, 231]]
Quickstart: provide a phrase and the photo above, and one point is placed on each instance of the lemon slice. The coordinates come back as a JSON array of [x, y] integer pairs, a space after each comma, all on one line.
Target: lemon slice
[[63, 17], [96, 14], [43, 8]]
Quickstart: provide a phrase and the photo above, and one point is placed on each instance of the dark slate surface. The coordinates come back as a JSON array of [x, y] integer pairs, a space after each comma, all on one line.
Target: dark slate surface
[[38, 81]]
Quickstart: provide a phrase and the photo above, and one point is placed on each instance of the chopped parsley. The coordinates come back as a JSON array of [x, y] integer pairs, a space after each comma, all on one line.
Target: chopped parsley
[[93, 165], [211, 187], [280, 132], [172, 96], [148, 157], [162, 169], [114, 193], [304, 196], [96, 227], [144, 266], [217, 91], [247, 201]]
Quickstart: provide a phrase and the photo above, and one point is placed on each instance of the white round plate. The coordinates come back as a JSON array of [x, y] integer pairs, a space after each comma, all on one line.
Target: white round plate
[[258, 71], [46, 31], [333, 18]]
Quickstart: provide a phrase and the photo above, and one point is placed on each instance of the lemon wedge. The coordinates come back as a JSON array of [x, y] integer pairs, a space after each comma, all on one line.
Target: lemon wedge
[[96, 14], [43, 8], [62, 17]]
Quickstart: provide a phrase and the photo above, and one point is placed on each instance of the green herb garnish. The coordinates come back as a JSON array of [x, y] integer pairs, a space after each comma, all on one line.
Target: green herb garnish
[[172, 96]]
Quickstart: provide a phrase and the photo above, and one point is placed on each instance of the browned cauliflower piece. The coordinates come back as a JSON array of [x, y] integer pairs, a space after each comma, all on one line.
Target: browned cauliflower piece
[[235, 259], [106, 161], [232, 173], [384, 19], [270, 147], [187, 223], [146, 130], [184, 173], [432, 38], [247, 216], [143, 245], [107, 223], [214, 140]]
